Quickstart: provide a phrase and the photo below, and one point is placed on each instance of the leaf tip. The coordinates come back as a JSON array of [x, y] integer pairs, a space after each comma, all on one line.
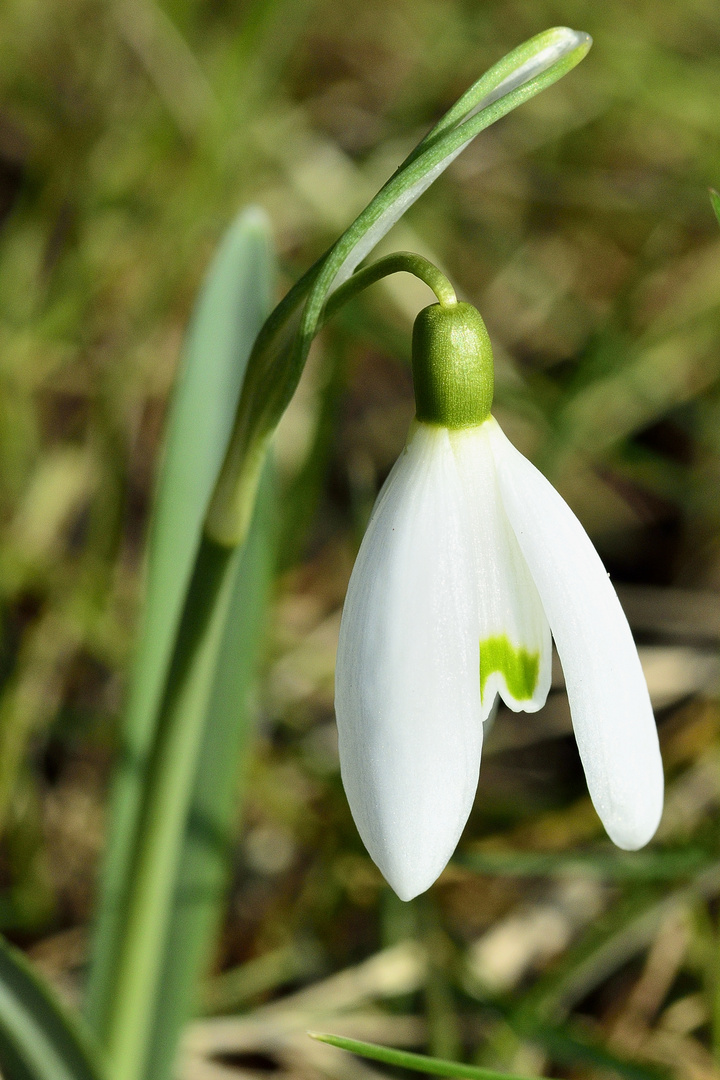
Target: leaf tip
[[572, 41], [253, 217]]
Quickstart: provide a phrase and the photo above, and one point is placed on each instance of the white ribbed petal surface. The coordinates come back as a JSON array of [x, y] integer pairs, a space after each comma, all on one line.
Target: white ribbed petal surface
[[407, 693], [609, 701], [508, 602]]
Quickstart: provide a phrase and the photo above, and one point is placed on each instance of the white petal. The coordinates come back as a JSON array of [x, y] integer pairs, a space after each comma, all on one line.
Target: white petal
[[407, 693], [609, 700], [514, 635]]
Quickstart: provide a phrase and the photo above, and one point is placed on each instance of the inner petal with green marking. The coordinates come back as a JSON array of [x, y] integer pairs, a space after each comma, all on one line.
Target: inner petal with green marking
[[518, 666]]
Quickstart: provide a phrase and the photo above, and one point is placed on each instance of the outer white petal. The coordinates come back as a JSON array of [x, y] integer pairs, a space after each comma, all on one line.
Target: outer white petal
[[509, 608], [407, 693], [609, 700]]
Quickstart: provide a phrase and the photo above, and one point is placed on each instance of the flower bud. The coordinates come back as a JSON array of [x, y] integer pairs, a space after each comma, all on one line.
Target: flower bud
[[452, 364]]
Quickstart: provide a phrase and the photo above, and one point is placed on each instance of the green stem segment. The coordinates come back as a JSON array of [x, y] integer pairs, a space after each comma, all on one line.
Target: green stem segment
[[399, 262], [232, 502], [164, 814]]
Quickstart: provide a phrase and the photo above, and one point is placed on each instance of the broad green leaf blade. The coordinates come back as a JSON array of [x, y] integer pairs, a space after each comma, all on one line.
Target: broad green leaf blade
[[282, 347], [230, 310], [419, 1062], [39, 1040], [204, 861]]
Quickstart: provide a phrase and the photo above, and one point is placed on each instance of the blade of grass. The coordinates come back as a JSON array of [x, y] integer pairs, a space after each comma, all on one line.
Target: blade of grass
[[404, 1059], [443, 1039], [231, 307], [617, 936], [568, 1045], [668, 865], [233, 990], [39, 1039]]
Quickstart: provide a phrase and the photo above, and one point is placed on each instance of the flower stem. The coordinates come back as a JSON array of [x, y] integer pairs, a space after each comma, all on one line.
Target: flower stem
[[234, 497], [400, 261], [167, 789]]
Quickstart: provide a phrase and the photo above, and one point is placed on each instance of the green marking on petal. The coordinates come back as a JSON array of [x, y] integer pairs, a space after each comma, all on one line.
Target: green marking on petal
[[519, 667]]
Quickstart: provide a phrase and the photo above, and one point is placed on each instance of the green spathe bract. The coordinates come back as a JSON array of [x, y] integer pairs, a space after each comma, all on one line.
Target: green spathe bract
[[518, 666], [452, 366], [283, 344]]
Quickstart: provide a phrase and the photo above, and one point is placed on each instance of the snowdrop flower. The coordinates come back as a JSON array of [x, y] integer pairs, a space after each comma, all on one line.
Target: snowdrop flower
[[470, 561]]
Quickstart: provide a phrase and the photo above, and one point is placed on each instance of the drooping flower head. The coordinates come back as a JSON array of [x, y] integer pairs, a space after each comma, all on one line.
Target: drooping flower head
[[470, 562]]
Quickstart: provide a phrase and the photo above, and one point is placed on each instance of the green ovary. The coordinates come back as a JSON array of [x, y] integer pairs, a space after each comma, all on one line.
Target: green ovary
[[519, 667]]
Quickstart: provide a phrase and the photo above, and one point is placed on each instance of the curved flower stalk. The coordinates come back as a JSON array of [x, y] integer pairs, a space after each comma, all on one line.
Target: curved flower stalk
[[470, 562]]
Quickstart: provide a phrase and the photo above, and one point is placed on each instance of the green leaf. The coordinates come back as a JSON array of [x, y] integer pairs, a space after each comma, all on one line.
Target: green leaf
[[282, 346], [230, 309], [39, 1040], [419, 1062], [232, 305]]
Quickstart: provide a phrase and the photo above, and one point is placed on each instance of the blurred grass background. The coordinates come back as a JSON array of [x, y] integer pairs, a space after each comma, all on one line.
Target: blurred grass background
[[130, 134]]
